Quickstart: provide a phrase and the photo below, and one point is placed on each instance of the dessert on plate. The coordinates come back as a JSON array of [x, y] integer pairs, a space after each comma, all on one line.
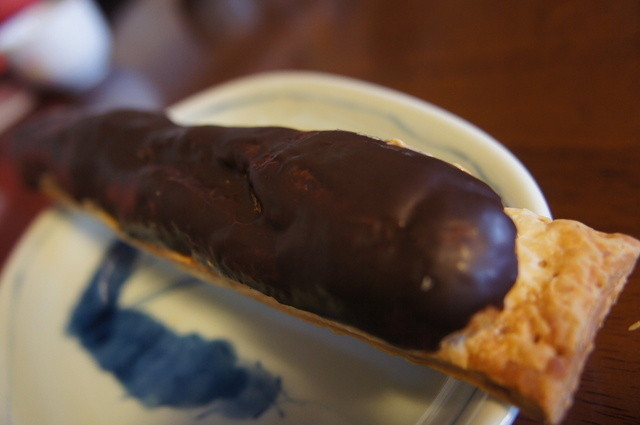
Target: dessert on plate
[[367, 237]]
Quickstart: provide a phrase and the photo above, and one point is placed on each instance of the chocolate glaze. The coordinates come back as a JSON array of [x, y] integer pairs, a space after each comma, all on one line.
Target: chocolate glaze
[[394, 242]]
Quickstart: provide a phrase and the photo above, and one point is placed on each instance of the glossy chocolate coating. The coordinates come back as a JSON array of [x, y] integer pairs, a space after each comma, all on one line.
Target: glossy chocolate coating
[[394, 242]]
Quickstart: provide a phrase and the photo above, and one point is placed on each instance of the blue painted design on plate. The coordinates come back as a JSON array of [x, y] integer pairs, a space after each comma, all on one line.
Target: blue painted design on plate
[[154, 364]]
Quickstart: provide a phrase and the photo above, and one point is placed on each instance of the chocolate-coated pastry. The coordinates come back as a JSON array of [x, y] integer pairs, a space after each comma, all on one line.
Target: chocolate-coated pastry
[[316, 220], [369, 238]]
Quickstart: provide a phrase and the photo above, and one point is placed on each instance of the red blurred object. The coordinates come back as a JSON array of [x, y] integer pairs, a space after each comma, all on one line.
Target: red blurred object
[[8, 8], [18, 207]]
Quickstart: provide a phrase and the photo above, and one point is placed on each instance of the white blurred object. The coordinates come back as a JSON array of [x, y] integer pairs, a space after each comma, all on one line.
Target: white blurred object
[[61, 44]]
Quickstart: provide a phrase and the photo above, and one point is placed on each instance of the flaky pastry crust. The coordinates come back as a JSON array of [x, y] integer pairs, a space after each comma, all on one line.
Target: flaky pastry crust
[[533, 351]]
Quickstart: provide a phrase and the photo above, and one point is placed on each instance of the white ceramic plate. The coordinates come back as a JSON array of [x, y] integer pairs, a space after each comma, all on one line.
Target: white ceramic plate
[[312, 375]]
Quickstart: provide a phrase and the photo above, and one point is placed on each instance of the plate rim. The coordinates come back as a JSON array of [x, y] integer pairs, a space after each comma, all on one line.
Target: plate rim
[[287, 81]]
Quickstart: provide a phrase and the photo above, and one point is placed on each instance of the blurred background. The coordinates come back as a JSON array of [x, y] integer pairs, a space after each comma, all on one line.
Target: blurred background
[[557, 82]]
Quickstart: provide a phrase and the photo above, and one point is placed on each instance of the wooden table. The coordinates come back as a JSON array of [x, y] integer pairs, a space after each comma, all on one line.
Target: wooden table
[[557, 82]]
